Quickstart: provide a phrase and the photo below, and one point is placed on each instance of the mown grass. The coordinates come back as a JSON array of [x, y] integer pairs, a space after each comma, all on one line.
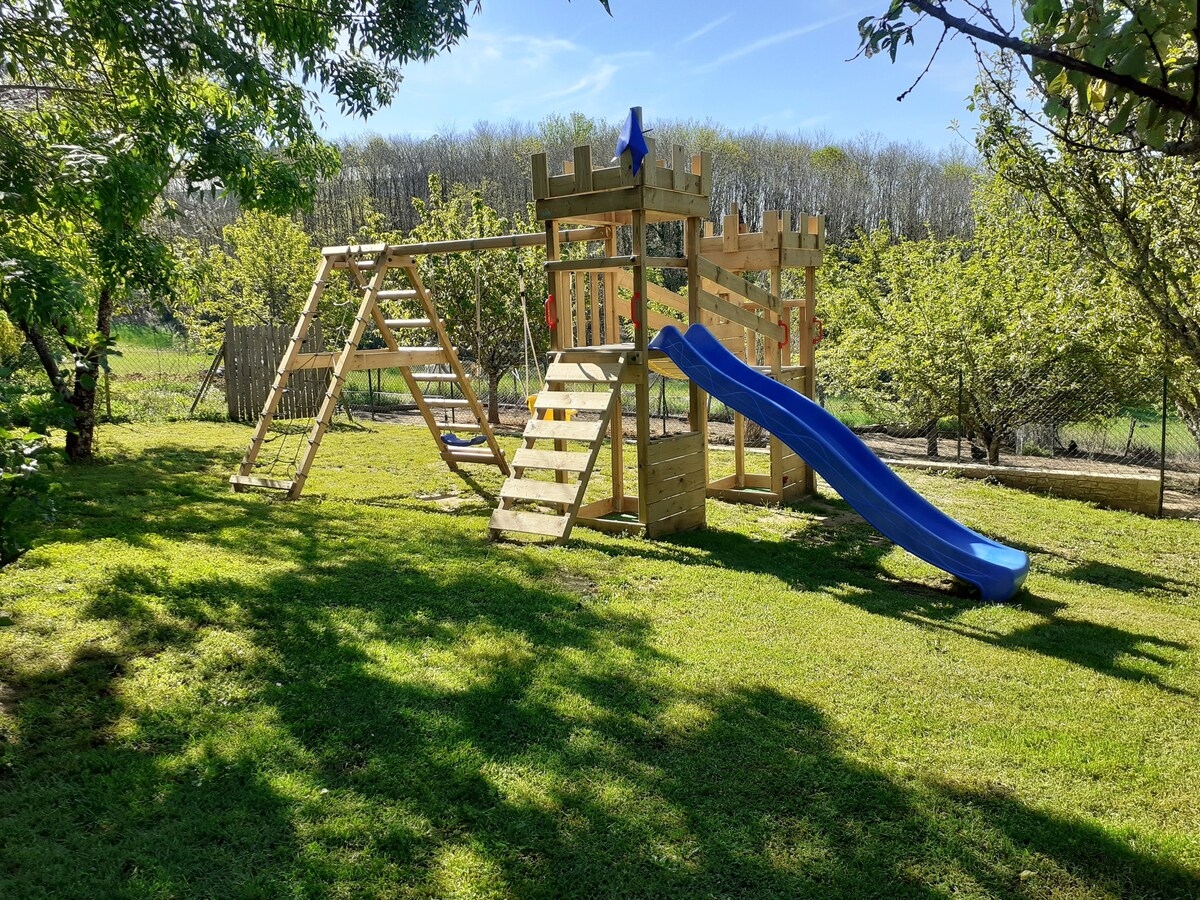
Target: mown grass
[[220, 695]]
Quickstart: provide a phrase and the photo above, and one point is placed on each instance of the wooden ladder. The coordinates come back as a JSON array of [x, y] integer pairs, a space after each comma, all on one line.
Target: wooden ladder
[[368, 276], [468, 403], [556, 503]]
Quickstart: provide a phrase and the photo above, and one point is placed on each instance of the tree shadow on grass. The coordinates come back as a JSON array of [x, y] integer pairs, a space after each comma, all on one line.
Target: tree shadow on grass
[[833, 559], [1122, 578], [464, 723], [429, 718]]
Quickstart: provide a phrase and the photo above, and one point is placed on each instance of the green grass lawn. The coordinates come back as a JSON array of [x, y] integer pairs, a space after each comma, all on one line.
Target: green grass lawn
[[357, 695]]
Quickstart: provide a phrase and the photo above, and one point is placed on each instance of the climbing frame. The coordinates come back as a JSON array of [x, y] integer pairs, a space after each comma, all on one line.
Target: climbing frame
[[369, 267]]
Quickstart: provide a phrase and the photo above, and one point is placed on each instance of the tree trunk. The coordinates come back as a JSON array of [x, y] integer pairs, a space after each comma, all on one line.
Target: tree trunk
[[931, 439], [994, 450], [1187, 406], [81, 441], [493, 410]]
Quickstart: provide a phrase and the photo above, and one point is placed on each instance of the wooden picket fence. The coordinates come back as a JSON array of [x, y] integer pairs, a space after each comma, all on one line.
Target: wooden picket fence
[[252, 354]]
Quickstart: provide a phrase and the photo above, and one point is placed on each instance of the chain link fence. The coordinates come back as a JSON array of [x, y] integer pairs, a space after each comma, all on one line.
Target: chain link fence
[[1126, 430], [1121, 429], [156, 374]]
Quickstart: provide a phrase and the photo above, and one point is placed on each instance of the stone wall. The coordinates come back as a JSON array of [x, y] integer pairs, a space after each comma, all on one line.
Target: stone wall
[[1138, 493]]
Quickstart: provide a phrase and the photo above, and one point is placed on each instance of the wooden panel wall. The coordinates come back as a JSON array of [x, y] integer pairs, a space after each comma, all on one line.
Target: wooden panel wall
[[252, 355], [675, 489]]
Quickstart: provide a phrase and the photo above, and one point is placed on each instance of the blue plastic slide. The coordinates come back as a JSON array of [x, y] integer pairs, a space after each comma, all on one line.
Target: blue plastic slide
[[848, 465]]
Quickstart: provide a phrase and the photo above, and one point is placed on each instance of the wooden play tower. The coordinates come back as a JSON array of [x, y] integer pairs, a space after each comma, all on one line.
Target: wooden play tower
[[594, 302], [602, 305]]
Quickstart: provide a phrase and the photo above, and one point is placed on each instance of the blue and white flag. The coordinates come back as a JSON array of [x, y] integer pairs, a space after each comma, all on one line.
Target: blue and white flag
[[633, 140]]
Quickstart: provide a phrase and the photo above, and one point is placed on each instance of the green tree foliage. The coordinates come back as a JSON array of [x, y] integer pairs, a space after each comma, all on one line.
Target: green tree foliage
[[1014, 313], [1136, 215], [479, 294], [1129, 66], [106, 104], [11, 341], [25, 491], [262, 275]]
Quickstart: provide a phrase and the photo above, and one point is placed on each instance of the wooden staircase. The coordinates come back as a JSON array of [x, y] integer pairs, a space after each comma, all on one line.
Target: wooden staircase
[[538, 506]]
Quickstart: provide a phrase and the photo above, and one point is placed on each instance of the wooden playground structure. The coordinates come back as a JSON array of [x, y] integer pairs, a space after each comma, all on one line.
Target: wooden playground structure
[[593, 303]]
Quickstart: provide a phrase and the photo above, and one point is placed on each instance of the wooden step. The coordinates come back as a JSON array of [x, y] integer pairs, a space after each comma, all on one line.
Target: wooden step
[[256, 481], [540, 491], [472, 454], [408, 323], [460, 426], [398, 295], [564, 431], [447, 403], [551, 460], [576, 400], [584, 372], [528, 522], [443, 377]]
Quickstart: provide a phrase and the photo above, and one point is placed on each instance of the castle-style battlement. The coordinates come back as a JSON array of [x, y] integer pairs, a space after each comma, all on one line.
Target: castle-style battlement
[[606, 195]]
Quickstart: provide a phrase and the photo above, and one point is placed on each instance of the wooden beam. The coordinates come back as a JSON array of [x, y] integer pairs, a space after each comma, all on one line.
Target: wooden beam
[[739, 286], [373, 359], [469, 245], [744, 317], [596, 264]]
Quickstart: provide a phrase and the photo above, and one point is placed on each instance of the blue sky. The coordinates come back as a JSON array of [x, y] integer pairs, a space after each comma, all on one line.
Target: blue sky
[[781, 65]]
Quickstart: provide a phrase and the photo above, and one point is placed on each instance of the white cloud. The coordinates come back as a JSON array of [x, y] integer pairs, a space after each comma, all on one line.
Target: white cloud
[[705, 29], [587, 86], [771, 41]]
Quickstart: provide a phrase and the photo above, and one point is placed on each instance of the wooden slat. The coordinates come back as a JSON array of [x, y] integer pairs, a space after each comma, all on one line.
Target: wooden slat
[[376, 359], [540, 491], [528, 522], [584, 372], [739, 286], [459, 426], [541, 177], [254, 481], [436, 402], [577, 400], [406, 294], [655, 292], [662, 449], [441, 377], [592, 264], [671, 468], [679, 503], [565, 431], [583, 168], [551, 460], [742, 316], [471, 454], [408, 323], [654, 319]]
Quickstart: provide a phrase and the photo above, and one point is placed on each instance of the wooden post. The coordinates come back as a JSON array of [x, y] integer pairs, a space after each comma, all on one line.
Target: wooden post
[[616, 428], [774, 351], [285, 367], [807, 354], [697, 399], [640, 344], [341, 369]]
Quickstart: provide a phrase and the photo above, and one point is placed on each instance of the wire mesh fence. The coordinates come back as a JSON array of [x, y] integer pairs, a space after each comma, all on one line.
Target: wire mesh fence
[[1086, 425], [157, 374], [1121, 428]]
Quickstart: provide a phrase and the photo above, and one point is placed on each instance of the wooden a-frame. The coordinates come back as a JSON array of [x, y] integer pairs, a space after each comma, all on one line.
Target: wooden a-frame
[[369, 266]]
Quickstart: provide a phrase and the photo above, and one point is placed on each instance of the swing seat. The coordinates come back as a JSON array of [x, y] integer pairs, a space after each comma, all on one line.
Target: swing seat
[[453, 440]]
